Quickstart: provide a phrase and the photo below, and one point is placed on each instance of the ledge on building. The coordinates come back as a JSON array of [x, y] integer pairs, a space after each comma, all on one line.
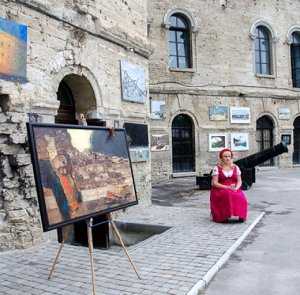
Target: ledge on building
[[186, 70], [265, 76], [183, 174]]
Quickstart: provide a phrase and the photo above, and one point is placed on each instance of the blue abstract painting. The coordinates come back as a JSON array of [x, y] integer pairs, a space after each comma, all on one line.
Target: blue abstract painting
[[13, 51]]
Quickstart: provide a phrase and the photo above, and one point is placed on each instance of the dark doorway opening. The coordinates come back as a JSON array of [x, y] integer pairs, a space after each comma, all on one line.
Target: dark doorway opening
[[296, 153], [183, 144], [68, 95], [264, 136]]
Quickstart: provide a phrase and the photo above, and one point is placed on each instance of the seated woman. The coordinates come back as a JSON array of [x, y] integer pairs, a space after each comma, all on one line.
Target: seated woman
[[226, 197]]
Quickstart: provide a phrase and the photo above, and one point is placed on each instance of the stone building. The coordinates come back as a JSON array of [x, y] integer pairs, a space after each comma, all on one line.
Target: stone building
[[222, 70], [72, 66]]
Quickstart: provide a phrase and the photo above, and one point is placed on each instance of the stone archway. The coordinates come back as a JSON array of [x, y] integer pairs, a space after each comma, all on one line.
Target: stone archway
[[183, 144], [76, 96]]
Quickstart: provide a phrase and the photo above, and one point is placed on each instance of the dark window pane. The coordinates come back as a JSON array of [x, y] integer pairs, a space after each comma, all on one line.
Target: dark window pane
[[179, 46], [173, 21], [258, 68], [182, 62], [264, 45], [181, 23], [173, 61], [257, 56], [264, 57], [172, 36], [296, 37], [265, 69], [257, 44], [182, 50], [172, 48], [181, 37]]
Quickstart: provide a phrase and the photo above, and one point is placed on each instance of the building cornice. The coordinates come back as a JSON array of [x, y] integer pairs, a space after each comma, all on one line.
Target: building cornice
[[229, 91]]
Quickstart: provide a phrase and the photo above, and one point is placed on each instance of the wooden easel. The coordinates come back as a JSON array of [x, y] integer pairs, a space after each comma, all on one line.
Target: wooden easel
[[90, 225]]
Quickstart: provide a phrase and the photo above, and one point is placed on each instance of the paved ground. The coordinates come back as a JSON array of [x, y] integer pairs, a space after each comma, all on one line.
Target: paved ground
[[169, 263], [268, 263]]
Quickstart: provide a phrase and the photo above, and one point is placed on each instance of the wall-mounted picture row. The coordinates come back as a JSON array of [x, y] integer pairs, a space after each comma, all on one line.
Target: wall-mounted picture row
[[238, 115], [219, 141]]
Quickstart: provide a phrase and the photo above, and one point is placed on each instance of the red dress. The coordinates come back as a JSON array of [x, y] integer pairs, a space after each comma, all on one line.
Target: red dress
[[225, 203]]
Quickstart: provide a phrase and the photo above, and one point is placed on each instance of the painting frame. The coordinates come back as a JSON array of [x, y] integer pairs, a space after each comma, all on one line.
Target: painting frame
[[237, 114], [218, 113], [284, 113], [13, 51], [47, 226], [236, 135], [286, 138], [133, 82], [211, 146]]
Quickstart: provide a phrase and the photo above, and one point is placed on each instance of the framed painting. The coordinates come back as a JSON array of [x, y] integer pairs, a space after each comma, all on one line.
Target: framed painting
[[158, 109], [240, 115], [159, 142], [284, 113], [239, 141], [218, 113], [133, 81], [13, 51], [80, 172], [217, 141], [286, 138]]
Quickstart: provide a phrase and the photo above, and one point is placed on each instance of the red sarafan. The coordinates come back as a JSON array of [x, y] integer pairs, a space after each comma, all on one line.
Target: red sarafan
[[226, 203]]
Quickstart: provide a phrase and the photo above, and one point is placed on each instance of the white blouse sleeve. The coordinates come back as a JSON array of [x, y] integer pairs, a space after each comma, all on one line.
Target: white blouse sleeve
[[238, 171], [215, 171]]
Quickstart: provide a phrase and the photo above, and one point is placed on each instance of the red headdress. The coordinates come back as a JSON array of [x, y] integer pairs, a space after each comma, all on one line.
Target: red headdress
[[225, 150]]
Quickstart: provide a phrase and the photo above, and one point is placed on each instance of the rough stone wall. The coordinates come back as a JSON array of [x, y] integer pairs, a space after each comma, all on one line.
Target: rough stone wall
[[222, 74], [85, 38]]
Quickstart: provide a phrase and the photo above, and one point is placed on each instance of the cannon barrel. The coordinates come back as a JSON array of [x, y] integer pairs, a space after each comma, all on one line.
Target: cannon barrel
[[260, 157]]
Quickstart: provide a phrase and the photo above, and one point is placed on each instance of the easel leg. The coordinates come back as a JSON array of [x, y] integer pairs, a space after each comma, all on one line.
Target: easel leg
[[91, 248], [55, 260], [116, 231]]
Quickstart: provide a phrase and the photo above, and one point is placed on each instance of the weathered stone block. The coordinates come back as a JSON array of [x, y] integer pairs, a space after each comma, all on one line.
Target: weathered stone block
[[17, 216], [20, 160], [17, 117], [18, 137]]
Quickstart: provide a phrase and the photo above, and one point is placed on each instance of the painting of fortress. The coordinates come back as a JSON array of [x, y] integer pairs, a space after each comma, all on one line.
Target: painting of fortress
[[13, 50], [80, 172]]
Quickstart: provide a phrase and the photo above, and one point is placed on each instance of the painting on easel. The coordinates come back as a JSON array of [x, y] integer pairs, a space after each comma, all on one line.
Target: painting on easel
[[80, 172]]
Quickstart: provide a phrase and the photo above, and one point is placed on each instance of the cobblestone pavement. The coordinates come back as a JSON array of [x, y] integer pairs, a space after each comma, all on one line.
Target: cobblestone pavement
[[169, 263]]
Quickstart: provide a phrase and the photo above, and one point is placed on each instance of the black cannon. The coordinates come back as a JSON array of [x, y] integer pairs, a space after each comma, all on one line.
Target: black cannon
[[247, 166]]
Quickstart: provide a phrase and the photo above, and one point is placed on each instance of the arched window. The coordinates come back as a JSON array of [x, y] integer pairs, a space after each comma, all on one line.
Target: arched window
[[179, 42], [295, 59], [263, 54]]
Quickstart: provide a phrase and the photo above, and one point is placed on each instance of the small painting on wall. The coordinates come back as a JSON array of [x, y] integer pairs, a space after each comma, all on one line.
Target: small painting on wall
[[284, 113], [13, 51], [239, 141], [217, 141], [218, 113], [240, 115], [158, 108], [133, 82], [159, 142], [286, 138]]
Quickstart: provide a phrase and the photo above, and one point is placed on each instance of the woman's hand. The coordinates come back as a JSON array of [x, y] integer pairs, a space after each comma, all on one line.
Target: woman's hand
[[233, 187]]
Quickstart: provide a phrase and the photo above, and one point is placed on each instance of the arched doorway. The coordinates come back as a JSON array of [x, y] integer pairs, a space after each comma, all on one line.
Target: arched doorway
[[296, 153], [76, 96], [183, 144], [265, 136]]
